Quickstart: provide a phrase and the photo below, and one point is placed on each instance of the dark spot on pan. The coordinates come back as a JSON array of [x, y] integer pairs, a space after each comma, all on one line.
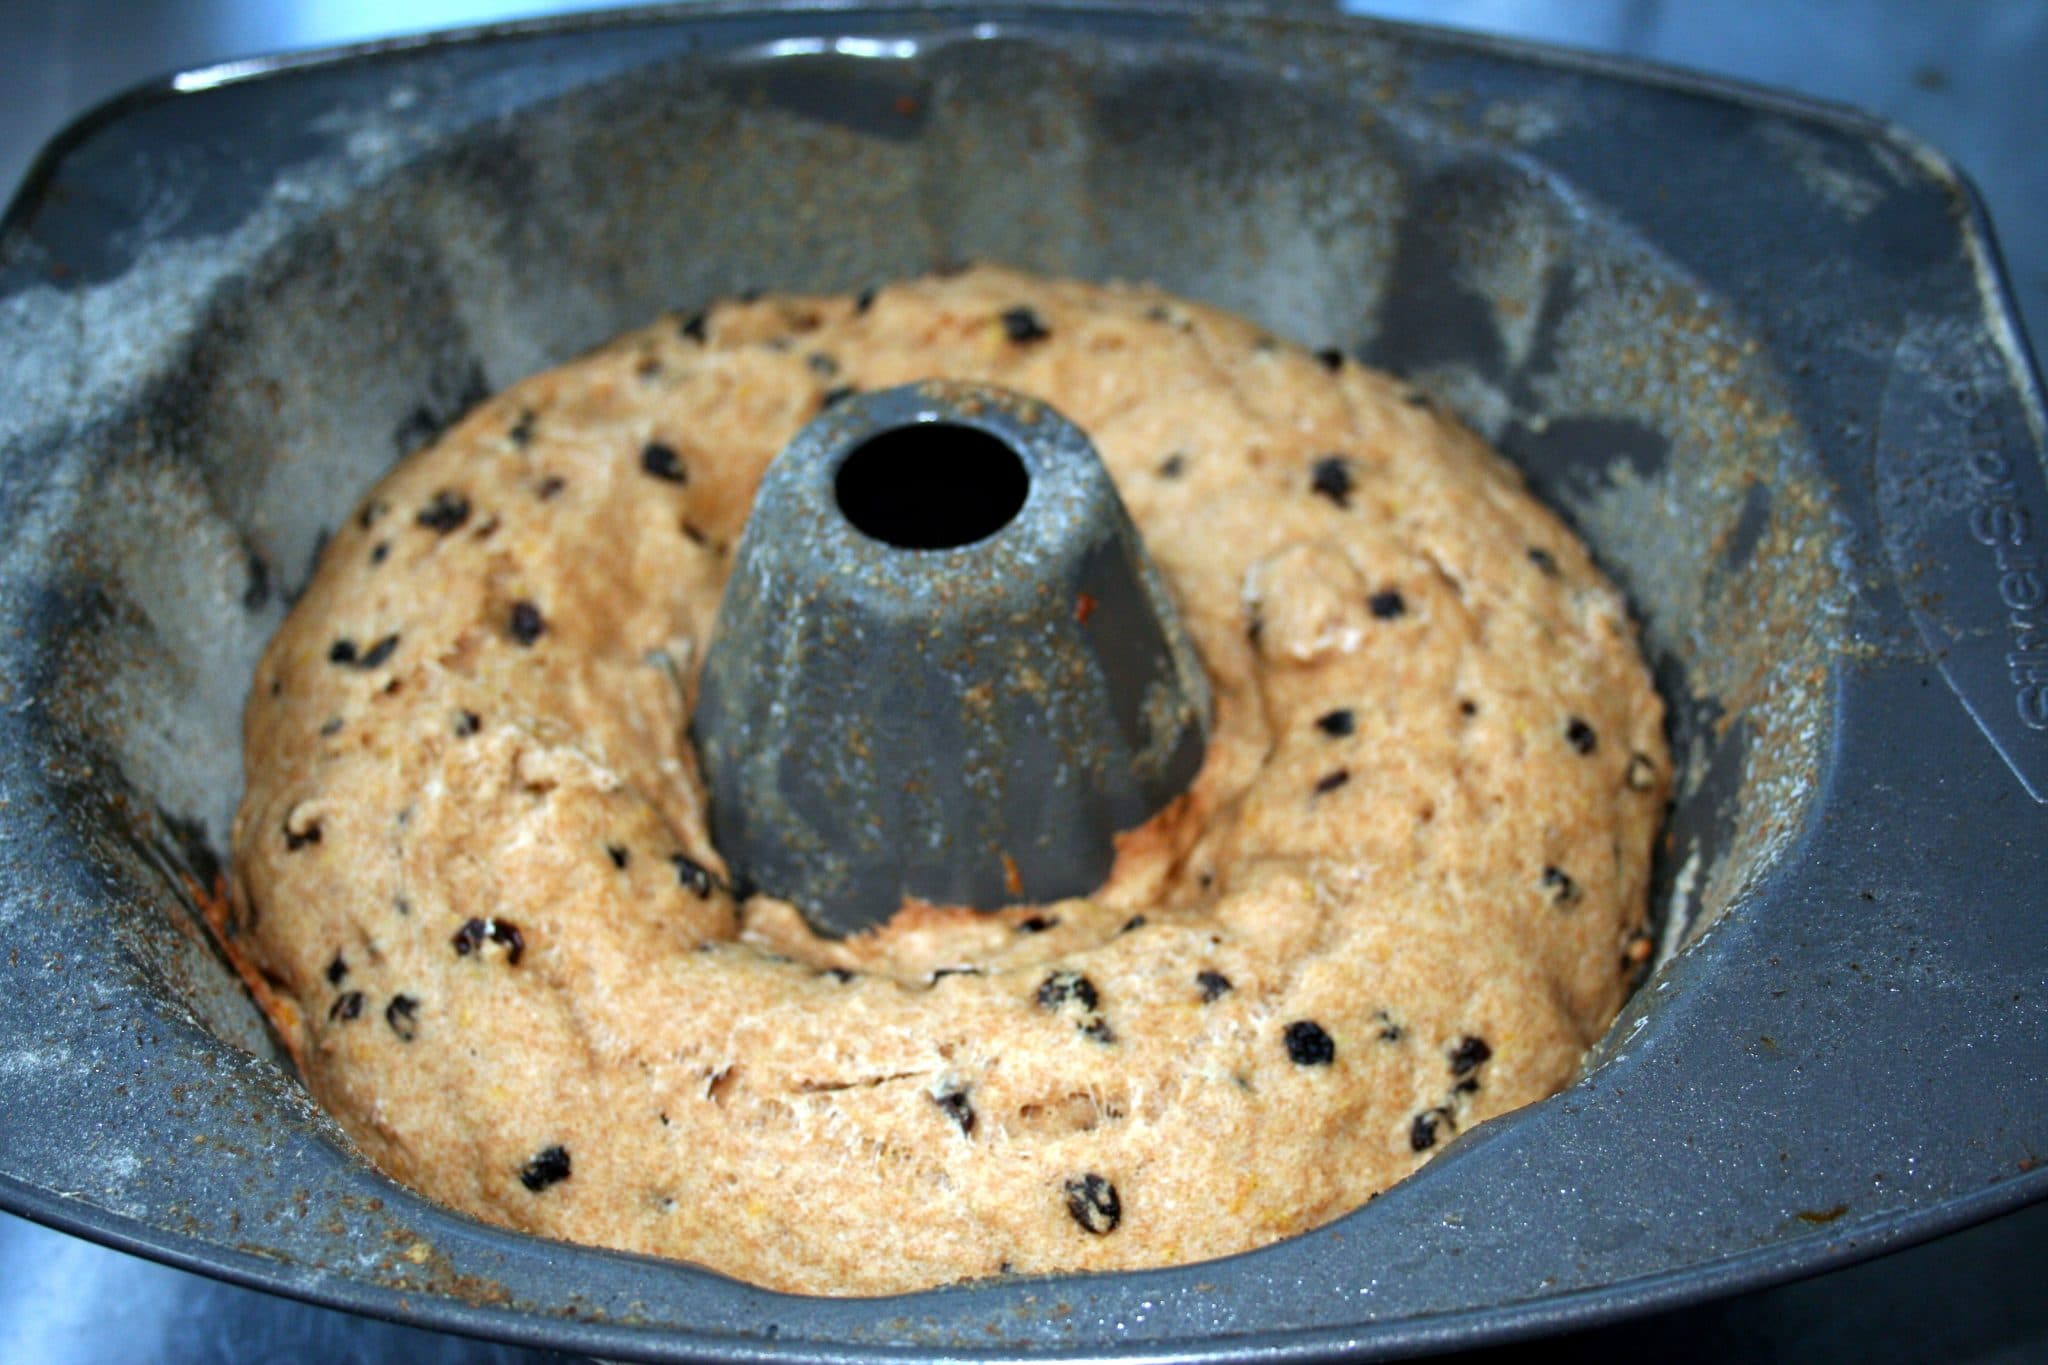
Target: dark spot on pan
[[1750, 524], [256, 591], [450, 396], [189, 835]]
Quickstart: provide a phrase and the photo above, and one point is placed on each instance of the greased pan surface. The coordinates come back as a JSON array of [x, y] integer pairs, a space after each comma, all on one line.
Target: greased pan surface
[[1757, 351]]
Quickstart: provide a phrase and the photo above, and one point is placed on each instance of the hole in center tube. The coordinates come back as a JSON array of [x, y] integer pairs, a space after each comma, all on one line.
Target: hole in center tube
[[931, 486]]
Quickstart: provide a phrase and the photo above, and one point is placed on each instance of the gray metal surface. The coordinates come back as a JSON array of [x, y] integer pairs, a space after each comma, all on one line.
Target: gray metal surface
[[1964, 75], [1681, 310], [928, 683]]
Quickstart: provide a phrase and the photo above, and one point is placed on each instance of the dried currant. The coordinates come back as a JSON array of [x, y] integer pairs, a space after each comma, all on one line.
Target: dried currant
[[1093, 1203], [1468, 1054], [660, 460], [1336, 724], [470, 937], [957, 1107], [1308, 1044], [1097, 1030], [550, 1166], [694, 875], [380, 653], [526, 623], [403, 1016], [1063, 988], [1023, 326], [1563, 890], [445, 511], [1330, 477]]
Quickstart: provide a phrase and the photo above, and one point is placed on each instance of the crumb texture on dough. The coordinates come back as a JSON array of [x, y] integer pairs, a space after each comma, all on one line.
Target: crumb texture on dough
[[1404, 895]]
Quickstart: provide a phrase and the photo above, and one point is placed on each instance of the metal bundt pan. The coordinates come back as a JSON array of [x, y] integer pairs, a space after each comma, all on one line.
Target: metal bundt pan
[[1758, 351]]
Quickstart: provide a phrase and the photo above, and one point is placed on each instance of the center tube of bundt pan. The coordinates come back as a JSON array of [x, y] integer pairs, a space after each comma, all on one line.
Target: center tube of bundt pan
[[944, 669]]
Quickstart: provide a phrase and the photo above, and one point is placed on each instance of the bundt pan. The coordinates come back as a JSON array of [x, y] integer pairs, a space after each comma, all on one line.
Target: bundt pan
[[1756, 350]]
